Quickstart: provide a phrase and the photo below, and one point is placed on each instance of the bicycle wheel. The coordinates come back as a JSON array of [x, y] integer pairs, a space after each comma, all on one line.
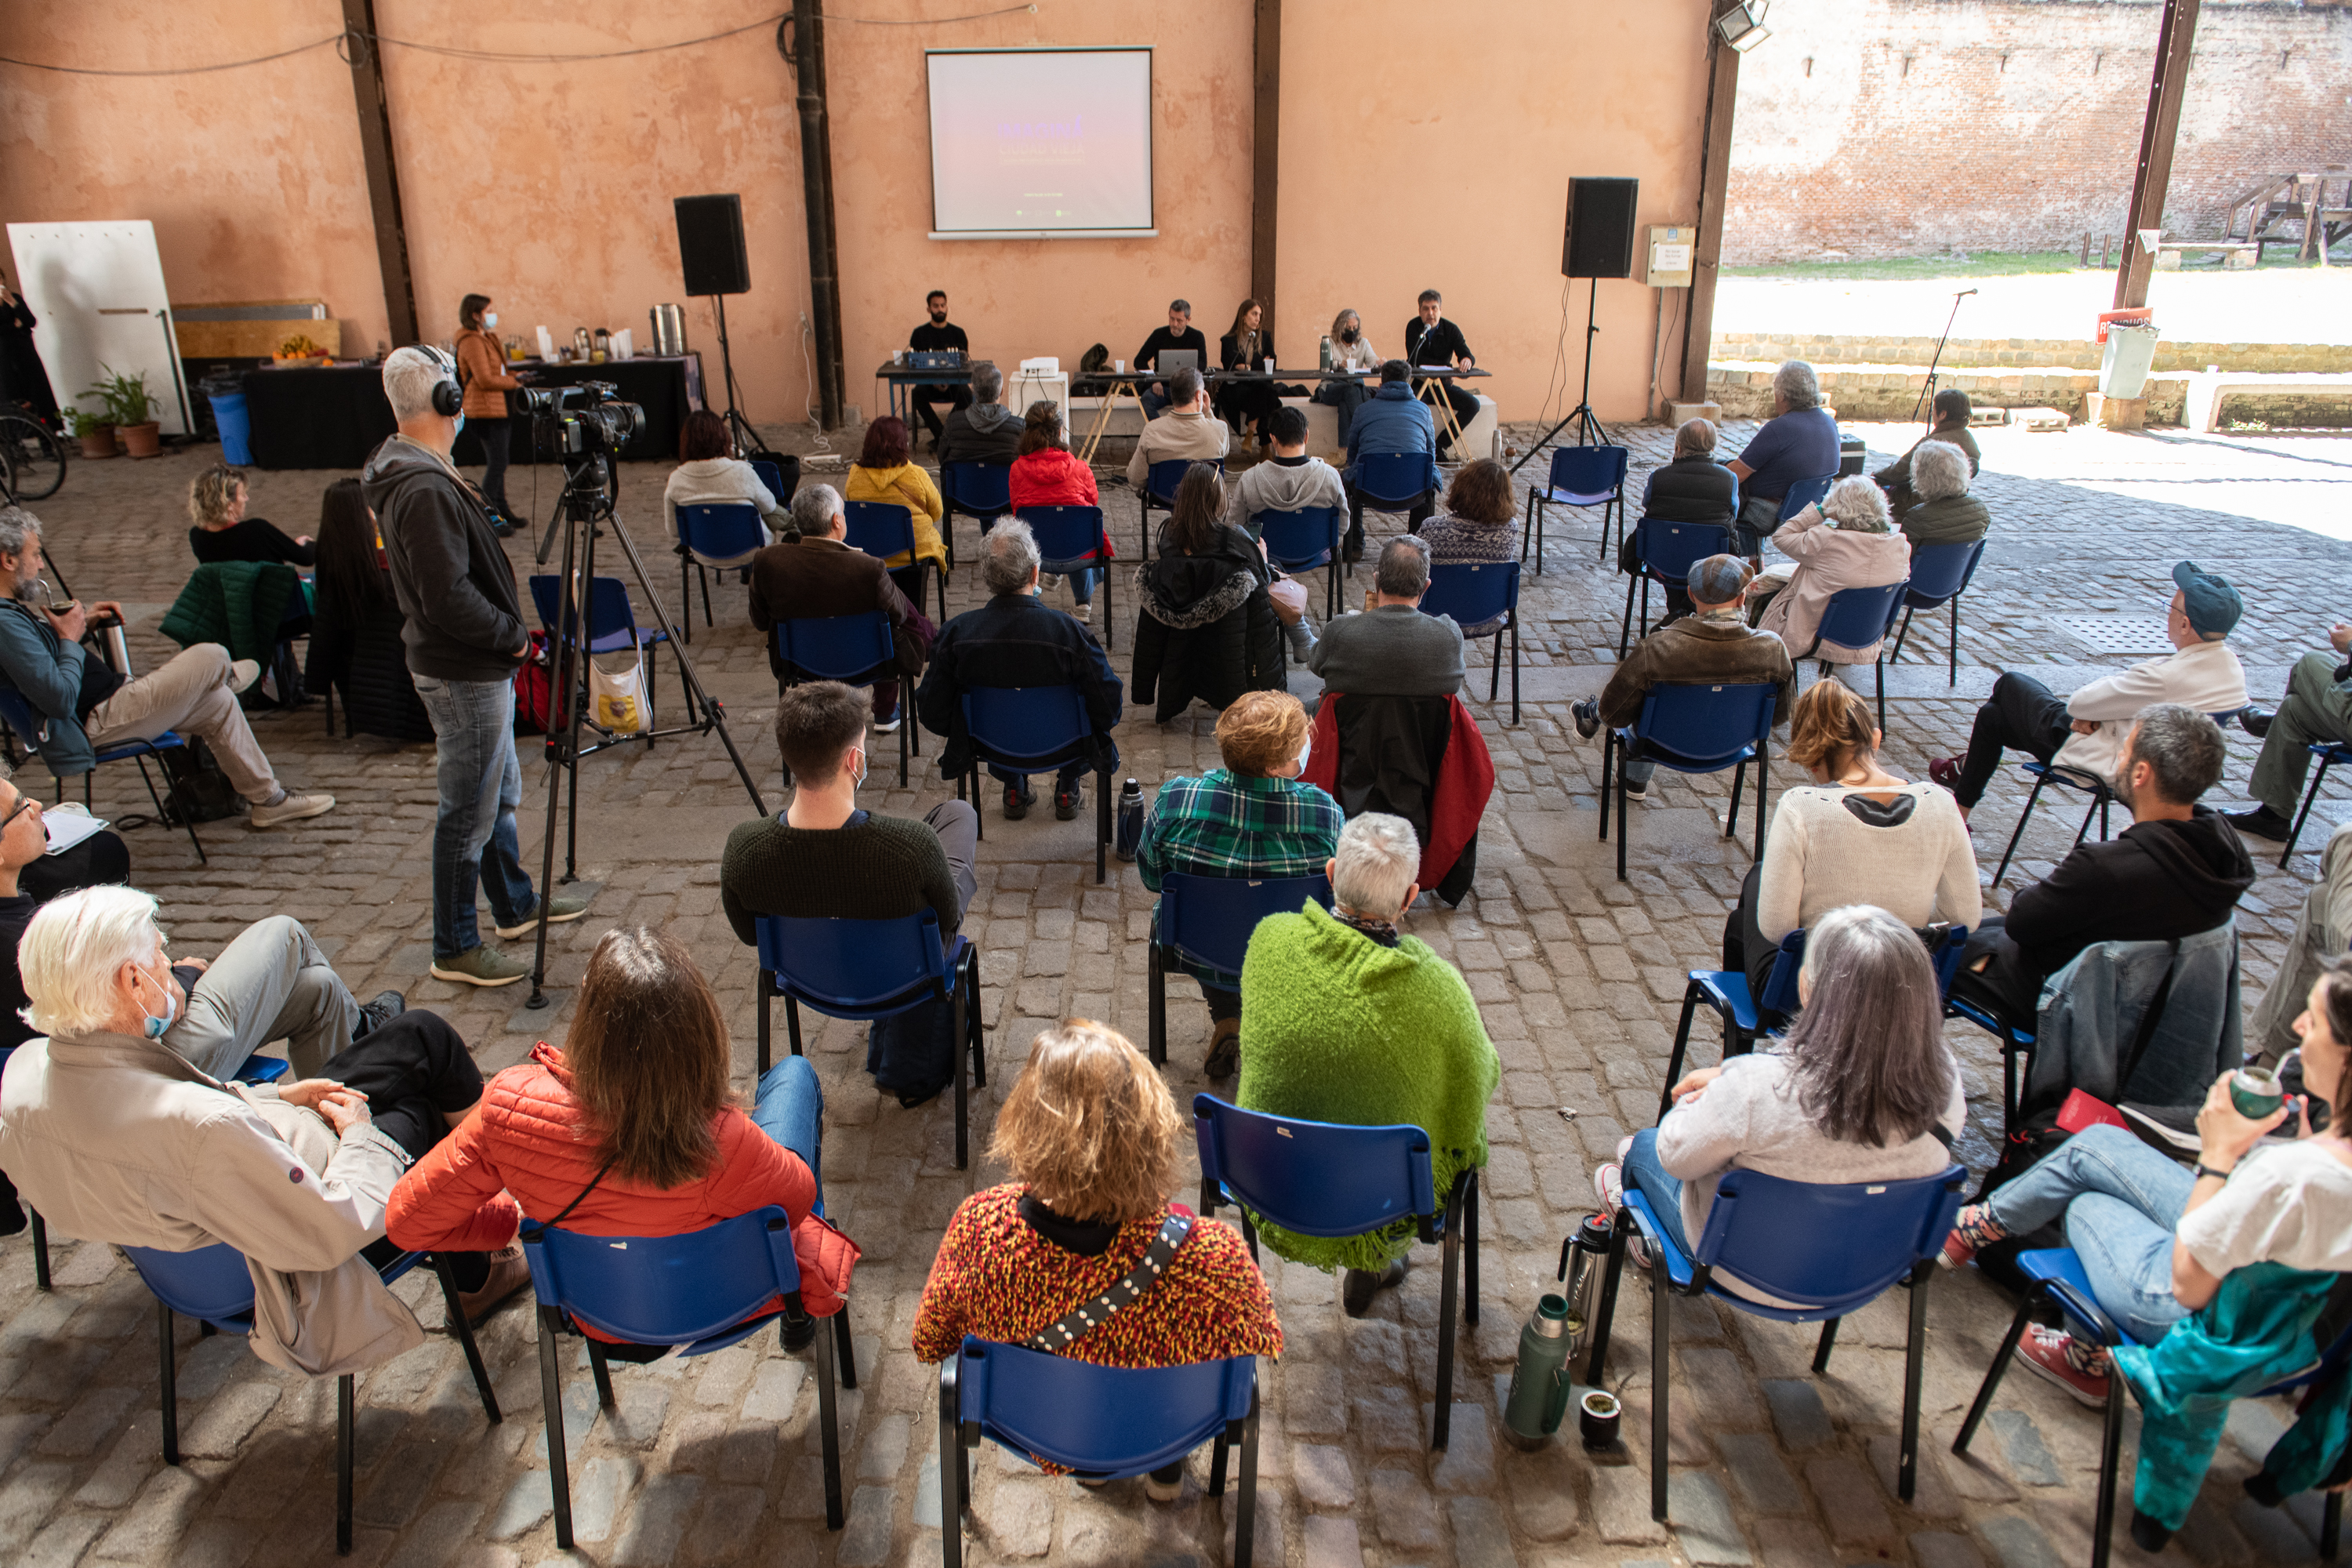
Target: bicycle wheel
[[36, 455]]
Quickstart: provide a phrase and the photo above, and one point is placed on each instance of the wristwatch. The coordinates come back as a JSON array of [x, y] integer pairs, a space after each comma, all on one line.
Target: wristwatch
[[2202, 1169]]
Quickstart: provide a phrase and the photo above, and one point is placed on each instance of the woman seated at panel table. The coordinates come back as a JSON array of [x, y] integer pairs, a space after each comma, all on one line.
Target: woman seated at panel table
[[1246, 405], [1350, 351], [222, 532], [884, 472], [708, 473]]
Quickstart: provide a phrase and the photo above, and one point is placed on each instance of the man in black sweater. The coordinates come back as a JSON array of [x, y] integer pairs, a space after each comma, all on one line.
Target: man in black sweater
[[2177, 871], [1179, 334], [1431, 338], [986, 432], [932, 337]]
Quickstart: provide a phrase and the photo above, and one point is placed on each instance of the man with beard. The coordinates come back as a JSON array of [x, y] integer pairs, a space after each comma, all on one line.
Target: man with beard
[[931, 337]]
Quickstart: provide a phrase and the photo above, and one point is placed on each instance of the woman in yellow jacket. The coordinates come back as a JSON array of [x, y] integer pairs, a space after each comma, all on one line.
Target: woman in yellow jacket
[[482, 372], [883, 473]]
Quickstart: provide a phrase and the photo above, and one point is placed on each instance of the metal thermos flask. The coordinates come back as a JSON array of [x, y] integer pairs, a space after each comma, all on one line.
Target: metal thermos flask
[[1539, 1382], [1130, 820], [1582, 1261], [669, 330], [1326, 351]]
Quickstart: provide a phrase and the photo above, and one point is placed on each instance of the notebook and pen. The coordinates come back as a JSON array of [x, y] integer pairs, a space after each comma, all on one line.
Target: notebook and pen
[[68, 824]]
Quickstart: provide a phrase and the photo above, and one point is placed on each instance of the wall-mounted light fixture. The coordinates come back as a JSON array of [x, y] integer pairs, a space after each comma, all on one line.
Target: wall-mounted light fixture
[[1743, 27]]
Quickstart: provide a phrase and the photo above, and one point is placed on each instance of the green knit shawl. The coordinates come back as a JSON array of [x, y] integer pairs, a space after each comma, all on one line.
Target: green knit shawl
[[1335, 1027]]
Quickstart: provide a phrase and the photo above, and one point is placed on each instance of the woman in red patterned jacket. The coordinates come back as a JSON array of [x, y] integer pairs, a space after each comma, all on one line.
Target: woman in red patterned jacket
[[1090, 1132], [633, 1128]]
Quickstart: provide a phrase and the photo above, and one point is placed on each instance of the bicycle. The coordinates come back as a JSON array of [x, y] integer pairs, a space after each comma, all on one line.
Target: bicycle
[[32, 455]]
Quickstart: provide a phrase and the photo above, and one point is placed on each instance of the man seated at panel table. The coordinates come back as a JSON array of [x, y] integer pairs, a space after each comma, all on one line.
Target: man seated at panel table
[[1392, 423], [1432, 340], [1951, 428], [1188, 430], [936, 336], [985, 431], [1800, 442], [1181, 334], [2318, 708], [1289, 481], [821, 576], [1391, 649]]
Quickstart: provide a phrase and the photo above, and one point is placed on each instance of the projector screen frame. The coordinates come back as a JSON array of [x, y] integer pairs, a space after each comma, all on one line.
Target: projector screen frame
[[1150, 229]]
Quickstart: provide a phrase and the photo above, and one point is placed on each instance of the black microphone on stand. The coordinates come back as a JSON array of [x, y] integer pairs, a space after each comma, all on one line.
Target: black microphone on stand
[[1927, 392]]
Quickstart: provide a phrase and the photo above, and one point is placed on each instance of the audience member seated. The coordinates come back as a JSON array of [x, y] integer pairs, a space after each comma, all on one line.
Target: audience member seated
[[1392, 422], [1862, 1089], [1047, 473], [86, 707], [1798, 442], [884, 472], [2318, 708], [821, 576], [114, 1137], [1844, 543], [2086, 731], [985, 431], [1209, 628], [631, 1129], [1941, 512], [1391, 649], [1432, 340], [1474, 528], [1289, 481], [1251, 818], [355, 624], [1180, 334], [1712, 645], [1016, 640], [1246, 405], [709, 474], [222, 532], [1352, 351], [2159, 1243], [1092, 1136], [2323, 931], [1344, 1019], [1694, 488], [2177, 871], [1857, 835], [1185, 430], [1952, 429]]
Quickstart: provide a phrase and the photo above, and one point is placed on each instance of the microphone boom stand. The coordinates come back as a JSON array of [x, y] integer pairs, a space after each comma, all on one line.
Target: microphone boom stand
[[1927, 392], [1589, 432]]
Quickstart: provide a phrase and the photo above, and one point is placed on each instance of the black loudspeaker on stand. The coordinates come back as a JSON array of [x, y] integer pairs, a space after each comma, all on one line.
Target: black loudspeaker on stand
[[1599, 243], [712, 257]]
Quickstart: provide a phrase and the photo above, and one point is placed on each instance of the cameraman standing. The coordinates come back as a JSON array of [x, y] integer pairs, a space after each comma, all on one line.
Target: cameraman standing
[[465, 640]]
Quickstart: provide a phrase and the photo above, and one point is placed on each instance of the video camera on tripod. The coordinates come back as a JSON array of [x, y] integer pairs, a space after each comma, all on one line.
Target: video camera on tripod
[[581, 421]]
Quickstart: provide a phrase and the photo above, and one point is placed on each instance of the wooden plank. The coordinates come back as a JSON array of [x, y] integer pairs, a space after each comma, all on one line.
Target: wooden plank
[[2159, 133], [374, 111], [1713, 180]]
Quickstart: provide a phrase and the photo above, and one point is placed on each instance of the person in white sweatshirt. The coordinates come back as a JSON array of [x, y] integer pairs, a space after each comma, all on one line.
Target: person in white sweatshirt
[[708, 473], [1289, 481]]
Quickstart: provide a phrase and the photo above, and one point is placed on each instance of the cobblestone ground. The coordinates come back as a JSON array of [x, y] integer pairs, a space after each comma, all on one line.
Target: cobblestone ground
[[1580, 976]]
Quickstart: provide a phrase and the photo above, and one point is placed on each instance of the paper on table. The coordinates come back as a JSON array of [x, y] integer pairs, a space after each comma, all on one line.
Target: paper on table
[[625, 344], [68, 824], [546, 344]]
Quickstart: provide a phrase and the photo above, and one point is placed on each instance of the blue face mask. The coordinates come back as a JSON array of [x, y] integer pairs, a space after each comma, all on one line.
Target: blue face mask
[[156, 1027], [461, 425]]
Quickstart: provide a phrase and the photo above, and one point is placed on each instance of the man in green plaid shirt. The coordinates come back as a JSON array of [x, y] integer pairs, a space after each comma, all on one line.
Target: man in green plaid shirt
[[1250, 818]]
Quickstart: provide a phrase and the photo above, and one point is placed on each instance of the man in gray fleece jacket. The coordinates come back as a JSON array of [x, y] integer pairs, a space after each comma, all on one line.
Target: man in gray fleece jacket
[[1290, 482]]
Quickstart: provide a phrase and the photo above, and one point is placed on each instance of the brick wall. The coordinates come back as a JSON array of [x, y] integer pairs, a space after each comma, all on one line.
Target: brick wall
[[1917, 127]]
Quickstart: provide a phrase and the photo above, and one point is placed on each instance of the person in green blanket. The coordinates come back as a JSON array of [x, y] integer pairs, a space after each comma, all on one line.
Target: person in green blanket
[[1345, 1020]]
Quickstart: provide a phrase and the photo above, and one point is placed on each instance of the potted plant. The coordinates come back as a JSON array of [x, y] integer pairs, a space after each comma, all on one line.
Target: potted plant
[[132, 408], [95, 432]]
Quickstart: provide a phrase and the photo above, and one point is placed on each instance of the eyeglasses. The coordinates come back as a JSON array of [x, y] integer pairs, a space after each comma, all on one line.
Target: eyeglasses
[[25, 803]]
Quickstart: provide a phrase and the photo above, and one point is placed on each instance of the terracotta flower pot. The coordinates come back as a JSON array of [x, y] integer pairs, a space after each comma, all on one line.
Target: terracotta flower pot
[[141, 440], [99, 442]]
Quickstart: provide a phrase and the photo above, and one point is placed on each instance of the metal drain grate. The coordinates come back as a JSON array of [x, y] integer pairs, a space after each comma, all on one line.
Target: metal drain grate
[[2141, 634]]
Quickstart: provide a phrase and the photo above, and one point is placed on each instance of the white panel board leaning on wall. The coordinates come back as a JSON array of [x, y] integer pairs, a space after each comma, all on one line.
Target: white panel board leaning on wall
[[97, 290]]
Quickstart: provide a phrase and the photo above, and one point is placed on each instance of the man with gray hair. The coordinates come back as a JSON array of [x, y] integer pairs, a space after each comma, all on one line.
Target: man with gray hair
[[986, 432], [1018, 641], [1939, 509], [80, 704], [1953, 413], [1187, 430], [822, 576], [1800, 442], [1391, 649], [1345, 1019]]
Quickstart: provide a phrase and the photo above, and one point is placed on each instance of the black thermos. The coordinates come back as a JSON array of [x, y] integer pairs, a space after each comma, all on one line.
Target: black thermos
[[1130, 820]]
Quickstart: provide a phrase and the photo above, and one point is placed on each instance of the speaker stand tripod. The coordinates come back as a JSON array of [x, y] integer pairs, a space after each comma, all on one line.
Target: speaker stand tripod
[[746, 439], [1589, 432]]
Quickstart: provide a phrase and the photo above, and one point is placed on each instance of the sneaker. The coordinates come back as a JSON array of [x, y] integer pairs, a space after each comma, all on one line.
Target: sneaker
[[1066, 803], [1085, 611], [560, 912], [1587, 715], [1361, 1284], [2050, 1356], [2255, 722], [1944, 771], [510, 1273], [1158, 1490], [480, 964], [1609, 1186], [888, 726], [1224, 1056], [1972, 1231], [374, 1016], [242, 673], [1048, 581], [1018, 799], [292, 808], [1637, 791], [1352, 551], [2262, 822]]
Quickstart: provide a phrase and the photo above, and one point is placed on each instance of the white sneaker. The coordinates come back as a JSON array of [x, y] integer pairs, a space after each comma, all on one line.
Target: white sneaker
[[887, 726], [1085, 612], [1049, 580], [242, 673], [293, 808]]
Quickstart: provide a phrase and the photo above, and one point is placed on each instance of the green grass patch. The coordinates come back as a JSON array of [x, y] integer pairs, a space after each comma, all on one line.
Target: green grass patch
[[1976, 263]]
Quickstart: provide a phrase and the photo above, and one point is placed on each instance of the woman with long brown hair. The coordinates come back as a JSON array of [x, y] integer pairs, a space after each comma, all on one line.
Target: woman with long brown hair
[[1248, 347], [1209, 628], [631, 1129]]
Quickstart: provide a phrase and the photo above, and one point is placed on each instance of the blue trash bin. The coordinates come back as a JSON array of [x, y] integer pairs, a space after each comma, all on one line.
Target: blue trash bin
[[235, 428]]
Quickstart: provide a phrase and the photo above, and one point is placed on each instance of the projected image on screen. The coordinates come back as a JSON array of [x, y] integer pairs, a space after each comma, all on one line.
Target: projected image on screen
[[1041, 141]]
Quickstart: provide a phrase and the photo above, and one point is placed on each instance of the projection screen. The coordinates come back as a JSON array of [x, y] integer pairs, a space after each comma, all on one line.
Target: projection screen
[[1040, 143]]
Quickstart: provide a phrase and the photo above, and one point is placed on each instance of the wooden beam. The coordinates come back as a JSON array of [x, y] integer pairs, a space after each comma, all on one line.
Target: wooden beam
[[2175, 34], [1265, 160], [1714, 181], [382, 170]]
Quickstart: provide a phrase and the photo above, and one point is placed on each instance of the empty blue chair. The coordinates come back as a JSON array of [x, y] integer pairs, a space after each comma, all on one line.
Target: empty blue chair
[[883, 529], [25, 724], [772, 476], [1695, 730], [1072, 539], [1206, 922], [1831, 1247], [1805, 493], [1857, 618], [1389, 481], [1035, 730], [1158, 493], [856, 650], [1940, 573], [1302, 540], [1323, 1178], [2329, 753], [982, 492], [700, 1292], [1580, 476], [865, 970], [720, 535], [1102, 1422], [612, 628], [1665, 553], [1475, 592], [212, 1285]]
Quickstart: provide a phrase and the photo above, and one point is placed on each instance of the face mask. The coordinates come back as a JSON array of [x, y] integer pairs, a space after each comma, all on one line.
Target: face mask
[[492, 320], [1306, 750], [1349, 335], [155, 1026], [461, 424], [863, 769]]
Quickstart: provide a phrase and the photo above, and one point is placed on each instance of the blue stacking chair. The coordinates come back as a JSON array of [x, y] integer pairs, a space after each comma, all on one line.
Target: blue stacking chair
[[612, 628], [1104, 1423], [715, 536], [18, 715], [1387, 482], [865, 970], [1580, 476], [1476, 590], [1940, 573], [2091, 786], [1831, 1247], [2058, 1282], [700, 1292], [1302, 540], [212, 1285], [2329, 753], [1158, 493], [1665, 553], [1857, 618], [1695, 730], [1034, 730], [982, 492], [772, 476], [1073, 539], [856, 650], [883, 529], [1324, 1178], [1207, 921], [1805, 493]]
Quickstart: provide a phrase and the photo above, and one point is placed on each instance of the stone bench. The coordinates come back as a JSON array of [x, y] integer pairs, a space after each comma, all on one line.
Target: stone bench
[[2237, 256], [1481, 436], [2207, 388]]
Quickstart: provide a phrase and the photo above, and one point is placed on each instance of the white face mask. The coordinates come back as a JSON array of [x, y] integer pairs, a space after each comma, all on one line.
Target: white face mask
[[863, 768], [490, 319], [1306, 751]]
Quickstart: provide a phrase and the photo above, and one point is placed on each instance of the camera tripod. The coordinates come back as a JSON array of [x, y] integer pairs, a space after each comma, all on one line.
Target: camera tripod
[[585, 512]]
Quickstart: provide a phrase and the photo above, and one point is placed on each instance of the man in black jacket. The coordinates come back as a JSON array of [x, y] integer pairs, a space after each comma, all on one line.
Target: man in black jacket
[[987, 431], [466, 639], [1179, 334], [1017, 640], [2177, 871], [934, 336], [1431, 338]]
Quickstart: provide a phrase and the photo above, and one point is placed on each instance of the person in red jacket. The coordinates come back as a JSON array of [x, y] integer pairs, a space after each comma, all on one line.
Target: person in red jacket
[[633, 1128], [1047, 473]]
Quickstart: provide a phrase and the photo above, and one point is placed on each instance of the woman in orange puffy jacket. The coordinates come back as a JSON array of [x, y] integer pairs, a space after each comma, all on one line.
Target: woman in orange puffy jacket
[[632, 1127]]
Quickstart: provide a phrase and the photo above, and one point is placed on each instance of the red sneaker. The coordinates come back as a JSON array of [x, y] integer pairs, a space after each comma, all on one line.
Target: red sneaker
[[2051, 1355], [1946, 770]]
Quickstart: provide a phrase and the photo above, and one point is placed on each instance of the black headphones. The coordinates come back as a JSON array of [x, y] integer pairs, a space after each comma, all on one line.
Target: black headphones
[[448, 398]]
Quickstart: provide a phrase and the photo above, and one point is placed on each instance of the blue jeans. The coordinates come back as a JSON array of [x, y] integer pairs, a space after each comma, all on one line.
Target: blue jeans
[[1082, 583], [790, 1109], [1644, 1176], [482, 783], [2120, 1200]]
